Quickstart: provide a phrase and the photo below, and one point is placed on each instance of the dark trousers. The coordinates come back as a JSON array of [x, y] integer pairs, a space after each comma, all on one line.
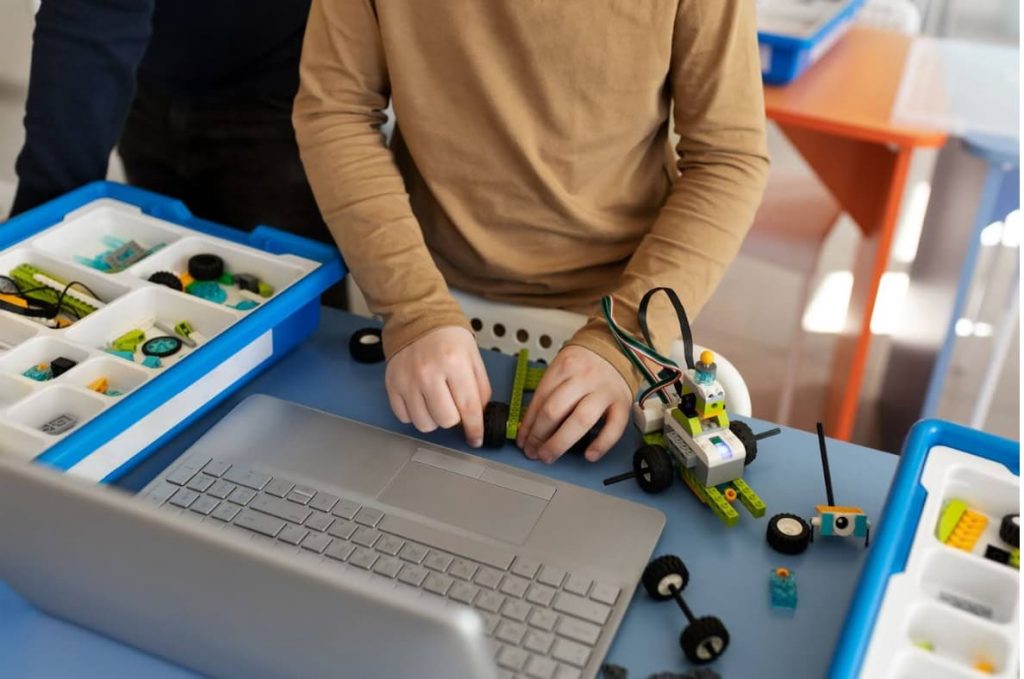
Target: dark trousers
[[233, 164]]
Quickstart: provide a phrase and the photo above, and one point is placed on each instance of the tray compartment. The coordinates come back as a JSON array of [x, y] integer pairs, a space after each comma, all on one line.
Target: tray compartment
[[268, 269], [917, 664], [14, 331], [969, 582], [13, 389], [121, 376], [85, 232], [19, 444], [49, 403], [957, 636], [41, 350]]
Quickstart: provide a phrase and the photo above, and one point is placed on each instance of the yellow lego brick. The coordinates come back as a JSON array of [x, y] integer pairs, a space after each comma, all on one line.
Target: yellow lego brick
[[968, 530]]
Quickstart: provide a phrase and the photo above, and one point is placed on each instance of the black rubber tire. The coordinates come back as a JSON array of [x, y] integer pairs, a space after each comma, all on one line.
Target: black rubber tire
[[653, 468], [205, 267], [704, 640], [495, 424], [1009, 530], [665, 566], [168, 279], [366, 346], [746, 436], [781, 535]]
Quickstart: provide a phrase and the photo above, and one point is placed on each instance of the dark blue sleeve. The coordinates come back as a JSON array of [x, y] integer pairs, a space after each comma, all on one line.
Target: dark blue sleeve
[[84, 57]]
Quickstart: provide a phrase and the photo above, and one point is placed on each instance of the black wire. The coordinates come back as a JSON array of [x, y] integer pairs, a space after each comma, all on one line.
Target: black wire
[[59, 305], [684, 322]]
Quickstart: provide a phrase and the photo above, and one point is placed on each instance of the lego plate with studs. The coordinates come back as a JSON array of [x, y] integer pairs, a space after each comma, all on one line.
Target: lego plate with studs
[[953, 611], [107, 299]]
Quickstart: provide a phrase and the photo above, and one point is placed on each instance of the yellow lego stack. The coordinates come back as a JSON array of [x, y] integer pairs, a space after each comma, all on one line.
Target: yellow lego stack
[[968, 529]]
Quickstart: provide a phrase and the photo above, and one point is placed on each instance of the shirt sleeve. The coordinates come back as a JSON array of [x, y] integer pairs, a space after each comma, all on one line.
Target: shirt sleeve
[[715, 78], [339, 110], [84, 57]]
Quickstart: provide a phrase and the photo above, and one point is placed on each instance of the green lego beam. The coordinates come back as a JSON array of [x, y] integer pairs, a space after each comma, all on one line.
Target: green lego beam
[[712, 497], [754, 504], [515, 403], [25, 276]]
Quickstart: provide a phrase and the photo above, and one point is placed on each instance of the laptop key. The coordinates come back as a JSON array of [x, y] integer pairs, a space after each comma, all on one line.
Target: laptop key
[[387, 566], [204, 505], [259, 523], [242, 496], [462, 569], [323, 502], [365, 536], [413, 553], [342, 529], [543, 619], [463, 592], [540, 668], [390, 545], [184, 497], [540, 595], [551, 576], [302, 494], [319, 521], [346, 509], [525, 568], [513, 585], [512, 658], [604, 593], [490, 601], [516, 610], [225, 511], [437, 583], [490, 623], [578, 585], [538, 642], [581, 608], [201, 482], [293, 535], [339, 551], [368, 516], [216, 468], [566, 672], [278, 487], [577, 630], [249, 479], [510, 632], [221, 489], [363, 558], [488, 577], [316, 542], [412, 575], [437, 561], [161, 493], [281, 509], [570, 652], [183, 473]]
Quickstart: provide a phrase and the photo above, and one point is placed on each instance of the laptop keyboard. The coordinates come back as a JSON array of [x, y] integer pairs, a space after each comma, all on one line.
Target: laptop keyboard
[[543, 621]]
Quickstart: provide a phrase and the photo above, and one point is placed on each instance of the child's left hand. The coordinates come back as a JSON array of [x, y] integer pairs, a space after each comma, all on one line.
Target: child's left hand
[[577, 390]]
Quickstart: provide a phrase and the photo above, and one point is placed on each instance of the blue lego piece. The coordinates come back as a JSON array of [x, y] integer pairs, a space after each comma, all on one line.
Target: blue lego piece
[[126, 355], [152, 362], [208, 290], [39, 373], [246, 305], [782, 585]]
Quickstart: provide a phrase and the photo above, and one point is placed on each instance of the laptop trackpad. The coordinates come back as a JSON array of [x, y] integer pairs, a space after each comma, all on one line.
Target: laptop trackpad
[[465, 502]]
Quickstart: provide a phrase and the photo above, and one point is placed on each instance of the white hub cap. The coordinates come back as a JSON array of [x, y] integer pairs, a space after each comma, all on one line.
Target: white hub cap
[[790, 527], [369, 339], [645, 469], [710, 648], [670, 581]]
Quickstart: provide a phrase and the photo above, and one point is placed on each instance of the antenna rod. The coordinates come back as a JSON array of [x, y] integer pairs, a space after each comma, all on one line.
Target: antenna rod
[[824, 464]]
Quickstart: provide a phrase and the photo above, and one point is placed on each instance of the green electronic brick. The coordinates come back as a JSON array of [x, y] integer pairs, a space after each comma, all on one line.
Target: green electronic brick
[[515, 406], [754, 504], [949, 518]]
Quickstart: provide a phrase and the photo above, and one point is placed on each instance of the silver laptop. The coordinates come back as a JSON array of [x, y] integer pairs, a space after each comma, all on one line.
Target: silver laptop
[[290, 542]]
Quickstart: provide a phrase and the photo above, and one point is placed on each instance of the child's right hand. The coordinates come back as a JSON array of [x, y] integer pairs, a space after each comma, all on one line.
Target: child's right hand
[[439, 381]]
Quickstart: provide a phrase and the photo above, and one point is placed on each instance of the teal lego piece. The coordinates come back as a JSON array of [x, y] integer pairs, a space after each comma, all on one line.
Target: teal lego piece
[[152, 362], [208, 290], [39, 373], [246, 305], [126, 355], [782, 585]]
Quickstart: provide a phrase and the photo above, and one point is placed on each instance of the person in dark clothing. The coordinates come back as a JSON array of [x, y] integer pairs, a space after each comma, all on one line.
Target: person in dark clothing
[[196, 95]]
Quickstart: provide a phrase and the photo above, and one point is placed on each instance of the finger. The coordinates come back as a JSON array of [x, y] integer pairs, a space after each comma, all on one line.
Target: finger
[[483, 384], [440, 404], [552, 412], [465, 393], [398, 407], [418, 412], [616, 420], [583, 417], [551, 380]]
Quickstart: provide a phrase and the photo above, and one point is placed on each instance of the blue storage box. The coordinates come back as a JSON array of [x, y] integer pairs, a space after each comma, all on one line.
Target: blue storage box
[[929, 608], [112, 407], [793, 34]]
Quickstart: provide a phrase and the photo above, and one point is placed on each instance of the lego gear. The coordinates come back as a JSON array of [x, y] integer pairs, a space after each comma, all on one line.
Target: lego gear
[[653, 468], [162, 347], [746, 436], [168, 279], [704, 640], [366, 346], [662, 574], [495, 424], [1009, 530], [788, 534], [205, 267]]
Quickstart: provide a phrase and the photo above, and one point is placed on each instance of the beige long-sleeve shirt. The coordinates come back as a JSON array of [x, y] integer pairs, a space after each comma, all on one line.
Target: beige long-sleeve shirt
[[529, 164]]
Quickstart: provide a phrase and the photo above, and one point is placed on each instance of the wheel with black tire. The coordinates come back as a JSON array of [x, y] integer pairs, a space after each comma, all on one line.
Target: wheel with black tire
[[1009, 530], [205, 267], [653, 468], [746, 436], [704, 640], [168, 279], [495, 424], [788, 534], [366, 346], [664, 573]]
